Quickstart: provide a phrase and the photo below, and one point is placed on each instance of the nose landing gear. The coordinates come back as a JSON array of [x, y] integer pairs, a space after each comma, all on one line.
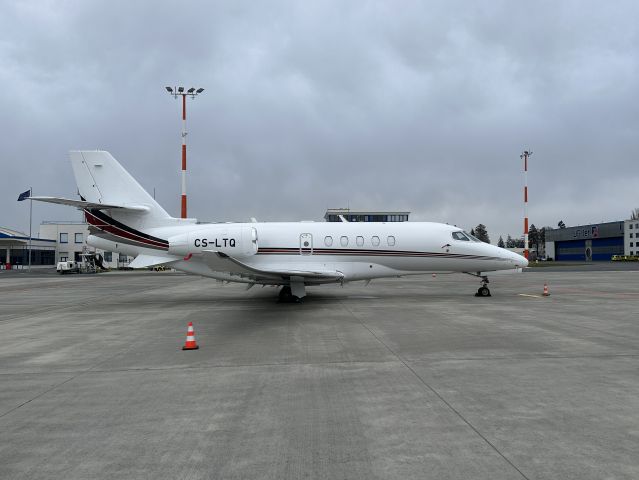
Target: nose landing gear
[[483, 291]]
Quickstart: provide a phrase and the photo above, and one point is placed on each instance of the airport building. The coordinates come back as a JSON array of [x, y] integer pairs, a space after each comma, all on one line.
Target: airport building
[[333, 215], [70, 238], [14, 249], [57, 242], [631, 237], [595, 242]]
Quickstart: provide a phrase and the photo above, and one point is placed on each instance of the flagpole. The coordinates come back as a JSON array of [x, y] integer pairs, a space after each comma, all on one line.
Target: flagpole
[[30, 216]]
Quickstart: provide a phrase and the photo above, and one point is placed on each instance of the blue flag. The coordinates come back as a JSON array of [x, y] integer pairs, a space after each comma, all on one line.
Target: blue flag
[[24, 195]]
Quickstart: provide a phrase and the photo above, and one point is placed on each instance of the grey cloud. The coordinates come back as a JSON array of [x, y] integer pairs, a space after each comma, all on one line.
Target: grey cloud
[[423, 106]]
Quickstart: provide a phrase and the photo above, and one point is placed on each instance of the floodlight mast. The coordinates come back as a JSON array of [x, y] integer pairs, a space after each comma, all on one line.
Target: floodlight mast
[[524, 156], [175, 92]]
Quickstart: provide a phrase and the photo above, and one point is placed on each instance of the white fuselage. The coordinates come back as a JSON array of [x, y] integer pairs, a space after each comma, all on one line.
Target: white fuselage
[[359, 251]]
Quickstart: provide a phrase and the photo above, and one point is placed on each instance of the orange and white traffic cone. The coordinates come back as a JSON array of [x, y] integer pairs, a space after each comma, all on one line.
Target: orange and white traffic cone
[[546, 292], [190, 339]]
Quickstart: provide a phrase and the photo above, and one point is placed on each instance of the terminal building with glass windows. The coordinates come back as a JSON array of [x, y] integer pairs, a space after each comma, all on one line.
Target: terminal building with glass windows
[[333, 215]]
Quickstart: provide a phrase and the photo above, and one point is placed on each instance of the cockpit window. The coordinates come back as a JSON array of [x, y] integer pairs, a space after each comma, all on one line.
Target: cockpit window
[[460, 236], [474, 239]]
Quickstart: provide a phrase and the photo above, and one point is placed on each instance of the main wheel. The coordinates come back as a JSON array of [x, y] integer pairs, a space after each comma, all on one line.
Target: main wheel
[[285, 293]]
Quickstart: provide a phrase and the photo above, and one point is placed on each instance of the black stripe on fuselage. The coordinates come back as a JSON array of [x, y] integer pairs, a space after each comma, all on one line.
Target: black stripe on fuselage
[[371, 253]]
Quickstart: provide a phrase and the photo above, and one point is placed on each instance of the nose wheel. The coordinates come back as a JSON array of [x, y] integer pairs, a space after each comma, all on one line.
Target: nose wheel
[[483, 291]]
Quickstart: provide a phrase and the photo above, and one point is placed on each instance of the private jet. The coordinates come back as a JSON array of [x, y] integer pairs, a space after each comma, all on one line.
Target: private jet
[[124, 218]]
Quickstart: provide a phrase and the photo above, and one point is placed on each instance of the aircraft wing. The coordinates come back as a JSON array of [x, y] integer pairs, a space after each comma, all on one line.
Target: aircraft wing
[[142, 260], [221, 262], [83, 204]]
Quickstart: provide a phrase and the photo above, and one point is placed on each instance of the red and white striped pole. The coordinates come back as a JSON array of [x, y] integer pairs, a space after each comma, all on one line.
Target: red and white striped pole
[[175, 92], [525, 156], [183, 204]]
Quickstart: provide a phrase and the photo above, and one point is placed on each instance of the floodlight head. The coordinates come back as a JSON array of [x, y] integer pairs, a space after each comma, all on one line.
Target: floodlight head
[[169, 89], [180, 89], [191, 90], [199, 90]]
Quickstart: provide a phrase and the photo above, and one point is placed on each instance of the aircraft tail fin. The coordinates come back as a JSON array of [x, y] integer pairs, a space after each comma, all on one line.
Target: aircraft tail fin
[[102, 180]]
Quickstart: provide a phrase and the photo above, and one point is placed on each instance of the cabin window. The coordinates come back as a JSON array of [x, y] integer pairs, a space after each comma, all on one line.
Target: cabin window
[[343, 241], [359, 241], [328, 241], [460, 236], [78, 238], [108, 256], [64, 238], [391, 241], [375, 241]]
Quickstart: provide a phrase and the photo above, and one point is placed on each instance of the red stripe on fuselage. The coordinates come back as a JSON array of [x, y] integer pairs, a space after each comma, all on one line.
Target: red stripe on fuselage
[[120, 232]]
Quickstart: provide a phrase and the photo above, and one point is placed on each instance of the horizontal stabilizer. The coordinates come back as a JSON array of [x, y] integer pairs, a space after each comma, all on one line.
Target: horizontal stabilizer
[[82, 204], [142, 261], [221, 262]]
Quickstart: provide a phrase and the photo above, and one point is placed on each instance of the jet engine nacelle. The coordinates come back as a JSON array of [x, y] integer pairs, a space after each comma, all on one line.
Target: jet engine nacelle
[[236, 241]]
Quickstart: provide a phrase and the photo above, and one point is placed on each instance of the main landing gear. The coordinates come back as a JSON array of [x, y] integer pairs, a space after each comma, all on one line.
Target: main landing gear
[[286, 296], [483, 291]]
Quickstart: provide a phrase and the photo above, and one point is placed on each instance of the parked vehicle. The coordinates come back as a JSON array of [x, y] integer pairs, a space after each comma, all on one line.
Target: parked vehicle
[[625, 258], [68, 267]]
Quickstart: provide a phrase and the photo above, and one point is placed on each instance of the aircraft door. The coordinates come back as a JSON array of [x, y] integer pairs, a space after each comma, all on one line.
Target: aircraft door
[[306, 244]]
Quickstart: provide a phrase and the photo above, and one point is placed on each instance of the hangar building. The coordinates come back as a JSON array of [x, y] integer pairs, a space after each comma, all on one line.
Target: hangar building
[[595, 242]]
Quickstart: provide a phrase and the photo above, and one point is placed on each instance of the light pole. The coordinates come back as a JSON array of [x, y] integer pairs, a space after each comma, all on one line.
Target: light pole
[[524, 156], [175, 92]]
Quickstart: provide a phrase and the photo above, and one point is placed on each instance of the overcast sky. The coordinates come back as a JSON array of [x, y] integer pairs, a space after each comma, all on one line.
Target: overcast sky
[[419, 106]]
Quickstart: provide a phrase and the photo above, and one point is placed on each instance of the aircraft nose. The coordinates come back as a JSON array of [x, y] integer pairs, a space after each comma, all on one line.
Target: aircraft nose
[[520, 260]]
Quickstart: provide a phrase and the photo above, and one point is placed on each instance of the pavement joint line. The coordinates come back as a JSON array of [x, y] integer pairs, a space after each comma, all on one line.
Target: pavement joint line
[[88, 301], [529, 295], [82, 372], [214, 366], [601, 332], [441, 398], [302, 364], [38, 396], [532, 357]]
